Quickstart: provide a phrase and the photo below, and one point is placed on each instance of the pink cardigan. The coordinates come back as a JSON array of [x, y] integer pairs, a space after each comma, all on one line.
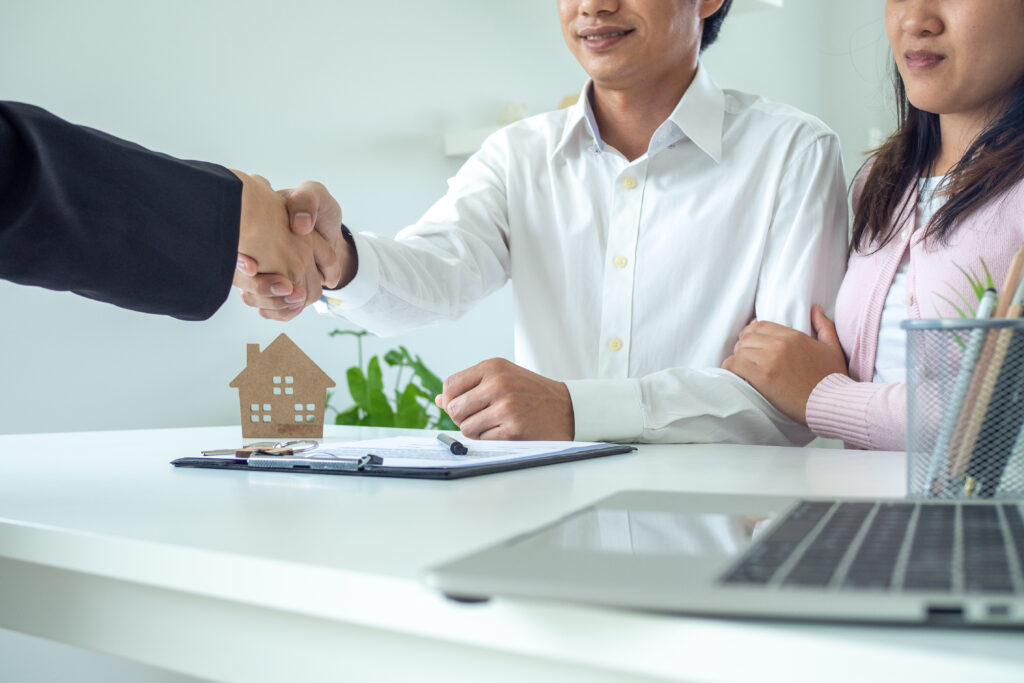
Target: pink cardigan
[[874, 416]]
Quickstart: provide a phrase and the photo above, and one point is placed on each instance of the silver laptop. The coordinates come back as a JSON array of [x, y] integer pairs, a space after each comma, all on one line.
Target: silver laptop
[[955, 563]]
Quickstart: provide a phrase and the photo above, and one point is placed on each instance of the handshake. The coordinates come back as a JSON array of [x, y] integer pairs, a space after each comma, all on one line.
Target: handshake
[[290, 246]]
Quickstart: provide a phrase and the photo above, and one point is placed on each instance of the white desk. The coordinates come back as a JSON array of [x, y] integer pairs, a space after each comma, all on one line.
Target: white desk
[[270, 577]]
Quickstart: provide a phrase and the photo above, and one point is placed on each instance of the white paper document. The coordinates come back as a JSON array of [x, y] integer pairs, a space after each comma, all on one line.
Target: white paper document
[[424, 451]]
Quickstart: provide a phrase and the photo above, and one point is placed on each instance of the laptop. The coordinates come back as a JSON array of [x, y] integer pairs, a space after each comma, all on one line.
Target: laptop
[[953, 563]]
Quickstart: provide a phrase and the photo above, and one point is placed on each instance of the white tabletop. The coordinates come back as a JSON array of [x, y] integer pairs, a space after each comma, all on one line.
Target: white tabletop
[[266, 576]]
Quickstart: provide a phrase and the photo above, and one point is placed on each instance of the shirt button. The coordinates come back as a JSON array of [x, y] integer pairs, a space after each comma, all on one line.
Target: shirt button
[[615, 344], [904, 234], [629, 182], [910, 299], [620, 261]]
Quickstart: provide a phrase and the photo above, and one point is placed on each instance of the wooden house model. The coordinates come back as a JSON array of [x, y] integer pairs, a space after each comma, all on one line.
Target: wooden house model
[[281, 392]]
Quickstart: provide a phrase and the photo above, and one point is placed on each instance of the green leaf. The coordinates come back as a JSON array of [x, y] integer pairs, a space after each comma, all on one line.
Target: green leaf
[[380, 413], [976, 284], [357, 386], [956, 308], [393, 358], [374, 376], [989, 283], [410, 414], [431, 382], [349, 417], [419, 392]]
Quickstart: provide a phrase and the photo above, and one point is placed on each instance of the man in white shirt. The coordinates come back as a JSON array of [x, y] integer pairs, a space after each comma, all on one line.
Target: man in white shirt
[[641, 228]]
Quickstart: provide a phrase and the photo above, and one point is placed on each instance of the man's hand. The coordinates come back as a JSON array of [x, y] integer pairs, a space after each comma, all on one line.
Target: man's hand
[[264, 238], [785, 365], [312, 210], [497, 399]]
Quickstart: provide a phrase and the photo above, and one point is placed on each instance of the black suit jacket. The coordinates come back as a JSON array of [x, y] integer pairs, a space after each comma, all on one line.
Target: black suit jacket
[[83, 211]]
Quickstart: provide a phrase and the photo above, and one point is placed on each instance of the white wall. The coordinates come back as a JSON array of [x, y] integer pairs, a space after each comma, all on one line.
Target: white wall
[[356, 94]]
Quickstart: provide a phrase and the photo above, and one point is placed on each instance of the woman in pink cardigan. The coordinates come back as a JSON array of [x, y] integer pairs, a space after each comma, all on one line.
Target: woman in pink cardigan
[[941, 200]]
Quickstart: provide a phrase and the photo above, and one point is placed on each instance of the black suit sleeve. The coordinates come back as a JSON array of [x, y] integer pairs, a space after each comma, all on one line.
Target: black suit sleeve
[[83, 211]]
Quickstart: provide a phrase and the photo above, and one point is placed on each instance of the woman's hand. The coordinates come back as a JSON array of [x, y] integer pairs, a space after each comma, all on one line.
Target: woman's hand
[[785, 365]]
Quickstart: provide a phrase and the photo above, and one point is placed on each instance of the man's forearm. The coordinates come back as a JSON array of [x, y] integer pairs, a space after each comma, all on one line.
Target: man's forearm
[[680, 405]]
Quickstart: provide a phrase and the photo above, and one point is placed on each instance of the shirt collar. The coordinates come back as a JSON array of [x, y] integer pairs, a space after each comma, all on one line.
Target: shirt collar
[[580, 115], [700, 116]]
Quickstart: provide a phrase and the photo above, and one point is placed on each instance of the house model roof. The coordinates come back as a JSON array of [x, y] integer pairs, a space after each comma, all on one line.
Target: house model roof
[[281, 357]]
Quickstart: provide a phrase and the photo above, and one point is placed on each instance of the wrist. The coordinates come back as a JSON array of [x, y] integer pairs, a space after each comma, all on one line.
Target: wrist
[[349, 258]]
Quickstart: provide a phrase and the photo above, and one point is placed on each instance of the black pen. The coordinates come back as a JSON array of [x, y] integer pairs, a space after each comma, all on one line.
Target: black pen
[[455, 446]]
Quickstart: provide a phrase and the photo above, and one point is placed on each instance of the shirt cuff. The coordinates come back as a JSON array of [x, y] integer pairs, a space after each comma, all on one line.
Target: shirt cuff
[[362, 287], [838, 409], [607, 409]]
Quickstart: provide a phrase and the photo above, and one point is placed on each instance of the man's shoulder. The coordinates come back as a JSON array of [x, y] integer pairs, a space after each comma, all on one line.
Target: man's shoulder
[[762, 116]]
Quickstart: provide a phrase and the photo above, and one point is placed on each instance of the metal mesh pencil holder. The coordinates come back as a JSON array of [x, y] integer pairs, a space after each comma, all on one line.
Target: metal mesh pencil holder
[[965, 408]]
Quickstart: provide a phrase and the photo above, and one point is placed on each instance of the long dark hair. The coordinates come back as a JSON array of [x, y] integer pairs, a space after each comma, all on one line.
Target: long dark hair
[[993, 163]]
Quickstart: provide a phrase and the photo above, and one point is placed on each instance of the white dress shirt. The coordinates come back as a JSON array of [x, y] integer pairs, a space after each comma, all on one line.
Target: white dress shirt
[[631, 280]]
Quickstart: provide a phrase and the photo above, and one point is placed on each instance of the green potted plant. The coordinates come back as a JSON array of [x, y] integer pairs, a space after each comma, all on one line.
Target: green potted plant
[[409, 404]]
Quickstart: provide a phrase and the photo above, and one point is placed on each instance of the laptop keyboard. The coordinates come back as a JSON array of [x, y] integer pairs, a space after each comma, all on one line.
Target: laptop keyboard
[[890, 546]]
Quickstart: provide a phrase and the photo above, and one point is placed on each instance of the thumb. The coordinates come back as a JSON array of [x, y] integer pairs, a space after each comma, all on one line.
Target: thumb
[[824, 328], [303, 205]]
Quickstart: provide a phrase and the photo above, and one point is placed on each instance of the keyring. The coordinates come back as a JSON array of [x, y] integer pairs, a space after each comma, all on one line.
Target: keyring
[[296, 446]]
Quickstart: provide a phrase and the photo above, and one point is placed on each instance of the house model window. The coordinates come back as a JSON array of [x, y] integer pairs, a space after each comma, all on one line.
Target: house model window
[[281, 392]]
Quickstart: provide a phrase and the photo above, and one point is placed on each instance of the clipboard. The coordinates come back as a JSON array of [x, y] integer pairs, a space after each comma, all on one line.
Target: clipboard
[[410, 457]]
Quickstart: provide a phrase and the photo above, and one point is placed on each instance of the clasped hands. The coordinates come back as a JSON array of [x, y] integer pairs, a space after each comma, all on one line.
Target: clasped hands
[[291, 246]]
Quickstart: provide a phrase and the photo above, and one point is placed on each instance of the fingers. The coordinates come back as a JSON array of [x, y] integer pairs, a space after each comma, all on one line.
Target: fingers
[[314, 287], [486, 424], [461, 398], [312, 209], [458, 384], [764, 329], [742, 364], [824, 328], [327, 262], [311, 206], [269, 286], [248, 279], [247, 265], [281, 315], [297, 299], [469, 401], [274, 296], [497, 399], [463, 407]]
